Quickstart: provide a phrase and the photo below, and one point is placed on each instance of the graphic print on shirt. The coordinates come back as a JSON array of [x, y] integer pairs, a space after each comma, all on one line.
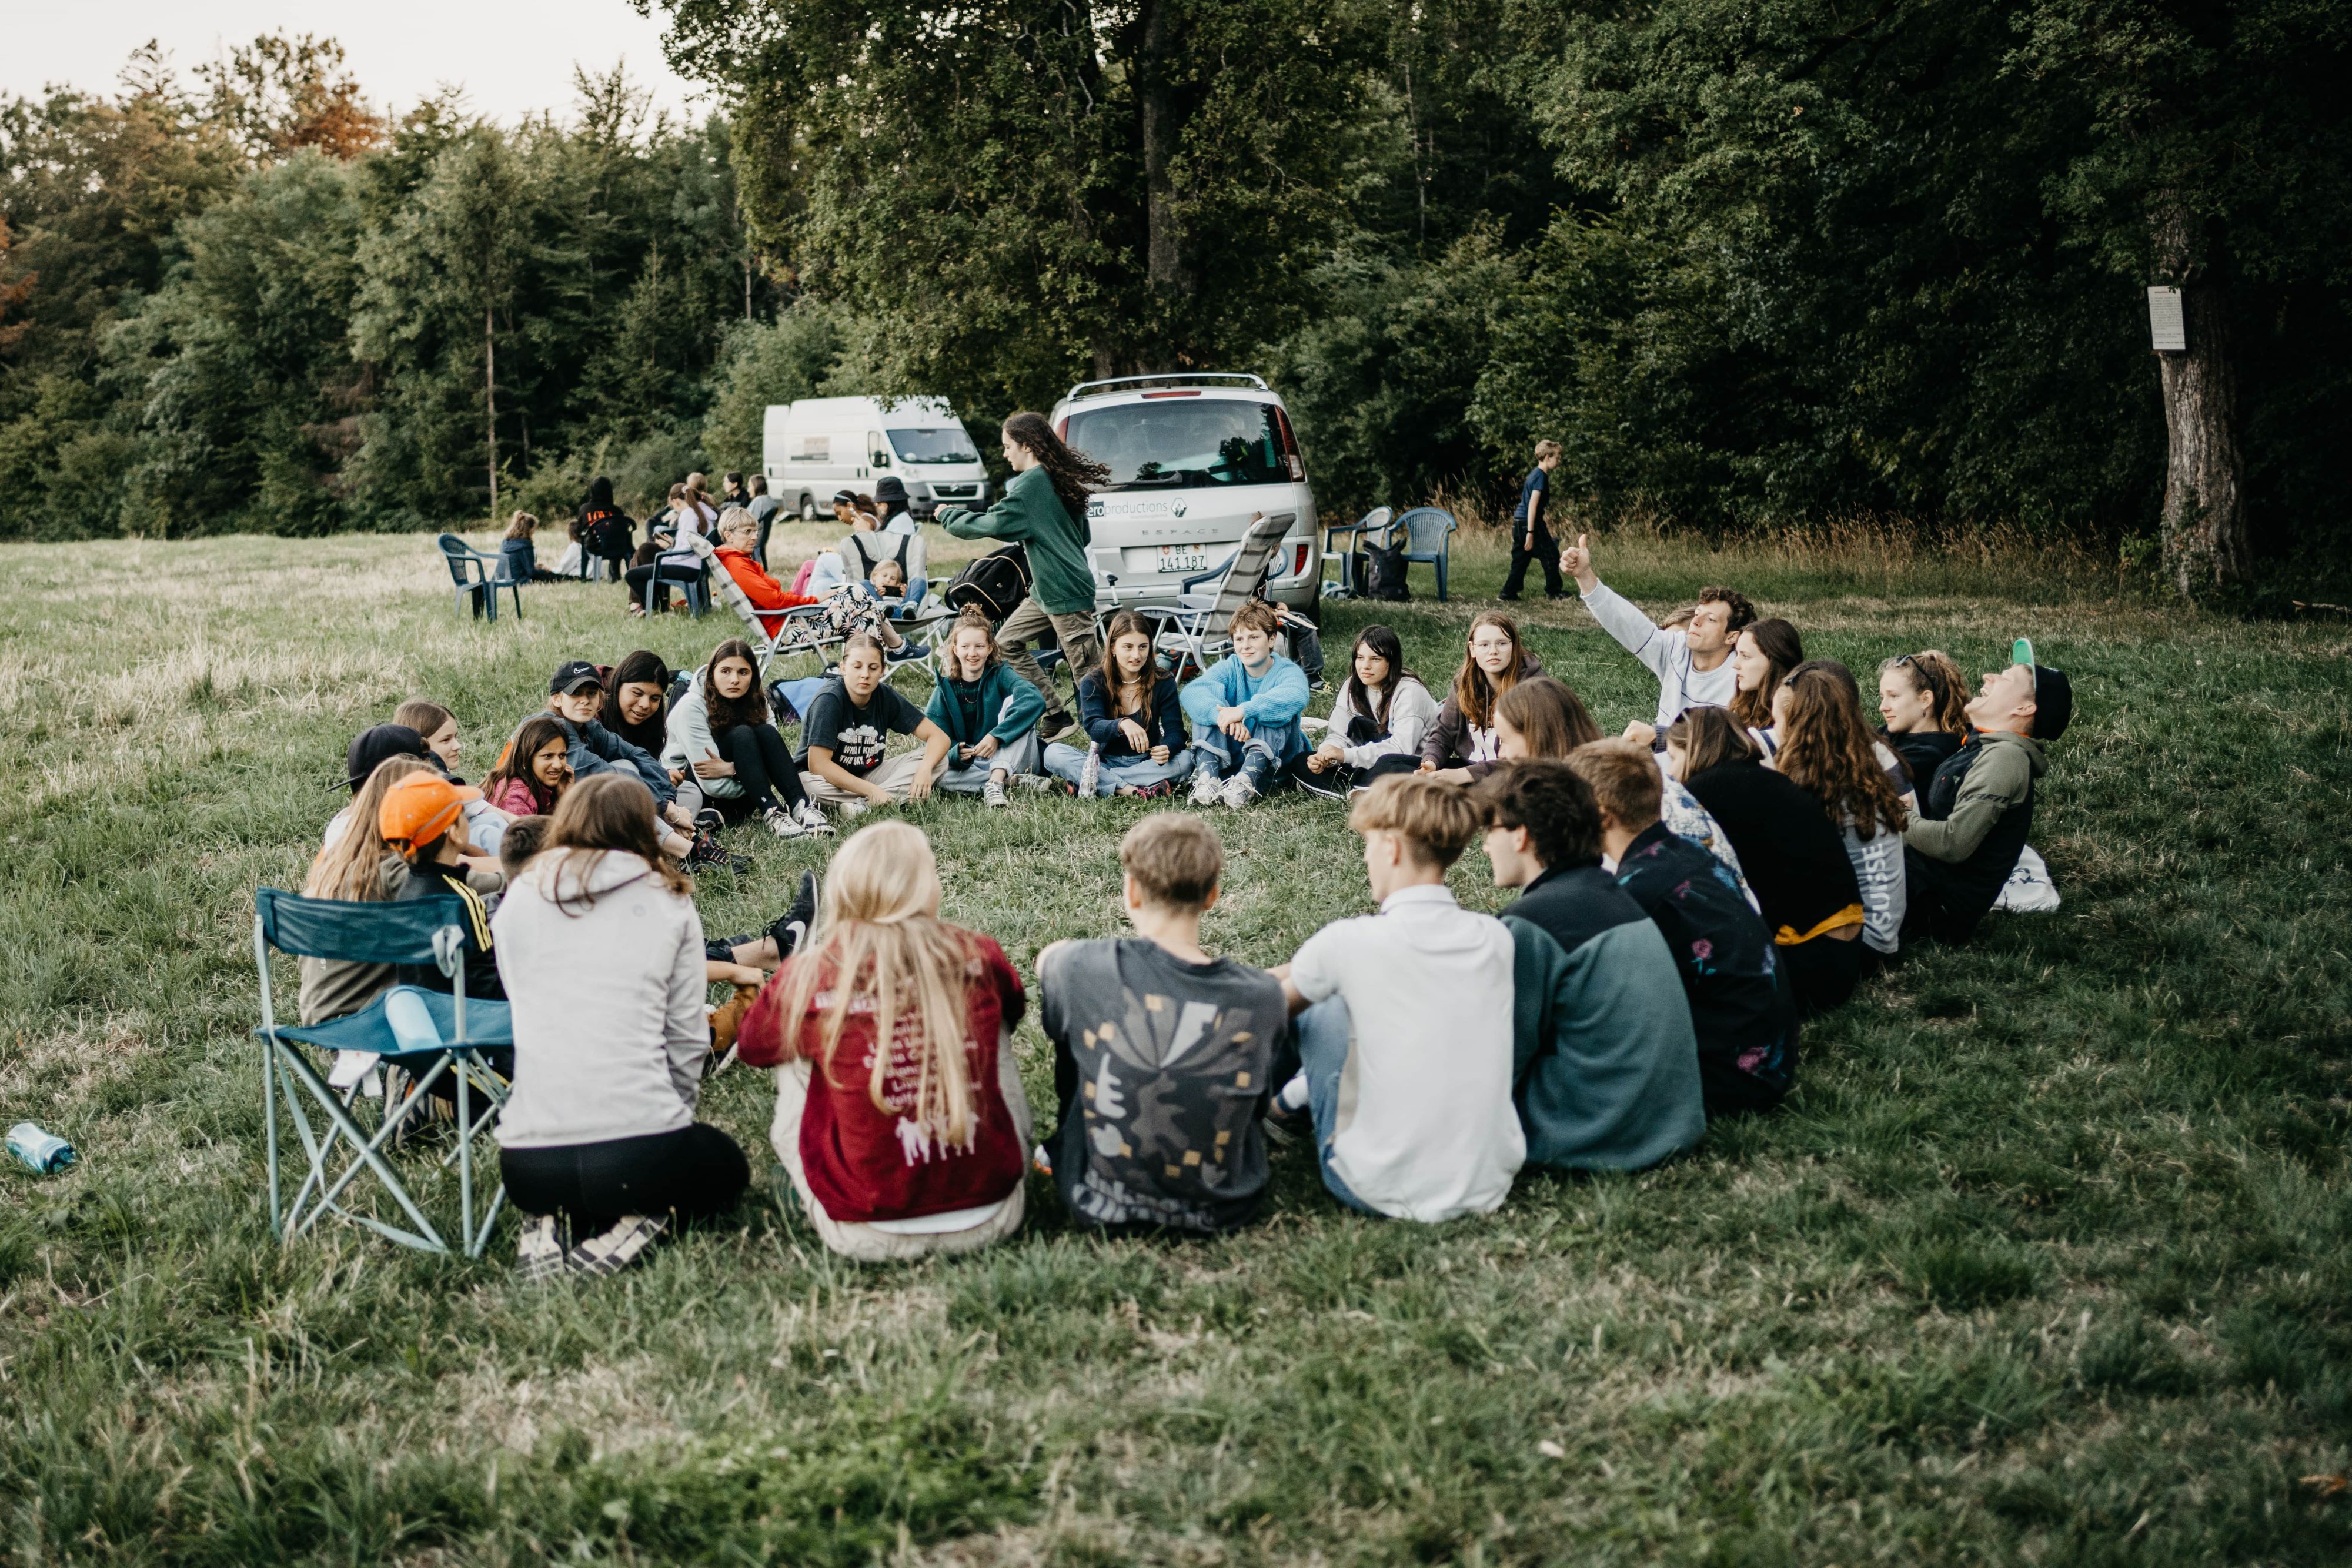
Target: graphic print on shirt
[[858, 746], [917, 1143], [1168, 1089]]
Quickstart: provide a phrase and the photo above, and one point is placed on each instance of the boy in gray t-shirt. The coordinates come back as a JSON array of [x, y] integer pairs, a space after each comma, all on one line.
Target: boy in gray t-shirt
[[1161, 1053]]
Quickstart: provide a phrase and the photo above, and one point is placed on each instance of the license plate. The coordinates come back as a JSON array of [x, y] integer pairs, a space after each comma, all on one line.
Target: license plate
[[1183, 558]]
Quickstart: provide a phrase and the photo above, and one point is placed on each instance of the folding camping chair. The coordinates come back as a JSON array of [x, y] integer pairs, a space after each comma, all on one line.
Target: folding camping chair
[[479, 576], [1193, 629], [414, 932]]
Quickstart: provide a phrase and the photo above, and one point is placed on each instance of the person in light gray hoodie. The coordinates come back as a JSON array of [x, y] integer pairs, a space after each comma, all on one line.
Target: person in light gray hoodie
[[602, 954]]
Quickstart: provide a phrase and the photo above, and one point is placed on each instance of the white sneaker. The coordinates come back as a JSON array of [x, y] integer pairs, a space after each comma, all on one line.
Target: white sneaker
[[1090, 773], [782, 824], [854, 807], [1237, 791], [1044, 783], [538, 1250], [812, 817], [629, 1239], [991, 793], [1207, 787]]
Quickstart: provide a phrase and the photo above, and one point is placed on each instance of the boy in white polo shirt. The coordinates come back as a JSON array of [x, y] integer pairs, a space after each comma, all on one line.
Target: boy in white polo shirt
[[1404, 1029]]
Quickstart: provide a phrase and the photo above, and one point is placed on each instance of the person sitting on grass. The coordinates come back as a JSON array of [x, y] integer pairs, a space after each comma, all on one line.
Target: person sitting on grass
[[1244, 713], [1693, 663], [720, 730], [1741, 1009], [576, 698], [1134, 721], [519, 551], [988, 713], [1161, 1053], [1923, 699], [1463, 746], [1402, 1036], [1827, 749], [1974, 815], [486, 825], [602, 953], [1761, 657], [919, 1146], [1383, 710], [1605, 1073], [847, 728], [530, 779], [1544, 719], [1791, 851]]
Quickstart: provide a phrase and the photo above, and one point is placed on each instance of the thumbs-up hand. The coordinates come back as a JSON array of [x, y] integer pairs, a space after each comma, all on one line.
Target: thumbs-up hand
[[1578, 563]]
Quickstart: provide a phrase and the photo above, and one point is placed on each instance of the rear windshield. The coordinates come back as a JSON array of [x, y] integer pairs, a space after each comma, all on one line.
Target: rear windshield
[[934, 446], [1183, 442]]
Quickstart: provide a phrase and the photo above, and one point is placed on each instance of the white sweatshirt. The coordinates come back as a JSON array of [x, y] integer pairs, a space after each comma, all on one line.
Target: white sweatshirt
[[686, 740], [1667, 654], [1412, 710], [609, 1030]]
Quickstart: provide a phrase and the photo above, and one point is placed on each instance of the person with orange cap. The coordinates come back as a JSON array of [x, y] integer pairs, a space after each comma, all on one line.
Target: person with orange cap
[[421, 819]]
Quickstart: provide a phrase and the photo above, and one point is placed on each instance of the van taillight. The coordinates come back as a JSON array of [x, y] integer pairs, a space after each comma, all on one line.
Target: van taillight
[[1289, 448], [1298, 550]]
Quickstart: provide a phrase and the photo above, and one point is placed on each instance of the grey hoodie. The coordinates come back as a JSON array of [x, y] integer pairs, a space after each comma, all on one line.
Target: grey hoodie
[[2001, 776], [603, 967]]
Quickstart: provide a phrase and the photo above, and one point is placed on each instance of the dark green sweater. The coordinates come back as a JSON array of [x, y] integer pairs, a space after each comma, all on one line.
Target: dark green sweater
[[1033, 513]]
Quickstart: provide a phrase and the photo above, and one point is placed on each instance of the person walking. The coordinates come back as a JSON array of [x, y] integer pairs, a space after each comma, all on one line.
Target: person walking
[[1530, 526], [1044, 508]]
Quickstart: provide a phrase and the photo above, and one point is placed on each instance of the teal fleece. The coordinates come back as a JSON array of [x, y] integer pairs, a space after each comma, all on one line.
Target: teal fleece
[[1274, 699], [1028, 705]]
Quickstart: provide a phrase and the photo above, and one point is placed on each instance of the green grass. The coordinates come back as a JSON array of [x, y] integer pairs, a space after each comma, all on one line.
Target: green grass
[[2046, 1261]]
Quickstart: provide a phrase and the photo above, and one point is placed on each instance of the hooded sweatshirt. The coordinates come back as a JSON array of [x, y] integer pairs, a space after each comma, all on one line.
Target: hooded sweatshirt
[[1974, 817], [607, 988], [1411, 712], [690, 739]]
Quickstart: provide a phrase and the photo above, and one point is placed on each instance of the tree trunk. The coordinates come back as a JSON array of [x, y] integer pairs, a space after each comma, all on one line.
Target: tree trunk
[[491, 403], [2203, 526], [1167, 269]]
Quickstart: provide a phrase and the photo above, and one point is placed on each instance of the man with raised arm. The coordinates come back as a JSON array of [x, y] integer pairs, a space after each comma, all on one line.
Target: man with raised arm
[[1692, 664]]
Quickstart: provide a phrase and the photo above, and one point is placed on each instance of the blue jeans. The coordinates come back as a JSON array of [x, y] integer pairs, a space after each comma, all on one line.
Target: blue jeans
[[969, 777], [1222, 754], [1125, 773], [1322, 1032]]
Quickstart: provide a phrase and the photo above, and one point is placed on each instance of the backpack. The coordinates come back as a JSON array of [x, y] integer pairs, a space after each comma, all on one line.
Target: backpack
[[1382, 572], [995, 583]]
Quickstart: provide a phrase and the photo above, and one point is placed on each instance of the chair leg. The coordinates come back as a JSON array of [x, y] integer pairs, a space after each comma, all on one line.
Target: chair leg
[[269, 1130]]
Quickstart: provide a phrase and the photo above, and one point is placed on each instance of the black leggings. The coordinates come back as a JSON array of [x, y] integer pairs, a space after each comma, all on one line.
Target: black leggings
[[693, 1173], [763, 766], [1822, 972]]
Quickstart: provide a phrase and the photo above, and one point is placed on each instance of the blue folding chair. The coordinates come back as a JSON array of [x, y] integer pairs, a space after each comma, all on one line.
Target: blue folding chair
[[419, 931], [1428, 538], [478, 577]]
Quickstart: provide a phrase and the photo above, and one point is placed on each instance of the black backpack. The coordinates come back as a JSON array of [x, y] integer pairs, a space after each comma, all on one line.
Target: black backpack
[[993, 584], [1382, 573]]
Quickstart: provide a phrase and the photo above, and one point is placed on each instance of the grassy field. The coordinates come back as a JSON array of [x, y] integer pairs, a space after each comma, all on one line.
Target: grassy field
[[2049, 1260]]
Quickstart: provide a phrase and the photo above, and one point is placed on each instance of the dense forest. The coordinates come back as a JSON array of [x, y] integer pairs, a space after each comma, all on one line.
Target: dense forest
[[1752, 262]]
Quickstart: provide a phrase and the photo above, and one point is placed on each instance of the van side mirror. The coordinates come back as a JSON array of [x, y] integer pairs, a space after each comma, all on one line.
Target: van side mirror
[[881, 459]]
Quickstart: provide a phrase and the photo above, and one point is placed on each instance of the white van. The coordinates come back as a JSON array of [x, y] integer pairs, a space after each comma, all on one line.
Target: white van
[[822, 445], [1191, 457]]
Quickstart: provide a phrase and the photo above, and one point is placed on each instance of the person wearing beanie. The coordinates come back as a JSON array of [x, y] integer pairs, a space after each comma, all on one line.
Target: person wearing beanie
[[1977, 809], [420, 821]]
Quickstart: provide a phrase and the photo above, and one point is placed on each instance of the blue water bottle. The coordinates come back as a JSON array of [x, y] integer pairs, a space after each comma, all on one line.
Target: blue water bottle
[[42, 1153]]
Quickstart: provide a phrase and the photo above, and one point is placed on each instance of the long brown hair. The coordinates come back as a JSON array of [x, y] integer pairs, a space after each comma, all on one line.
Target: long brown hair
[[352, 868], [602, 813], [1708, 738], [726, 712], [1826, 748], [1783, 651], [1074, 475], [1128, 623], [1933, 671], [882, 943], [1387, 648], [425, 717], [1549, 714], [1473, 692], [515, 762]]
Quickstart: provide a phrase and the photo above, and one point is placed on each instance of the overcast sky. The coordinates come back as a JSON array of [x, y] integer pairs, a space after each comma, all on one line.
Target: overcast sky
[[511, 56]]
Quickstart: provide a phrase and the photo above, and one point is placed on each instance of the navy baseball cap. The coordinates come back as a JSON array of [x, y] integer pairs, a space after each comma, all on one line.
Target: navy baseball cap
[[572, 675]]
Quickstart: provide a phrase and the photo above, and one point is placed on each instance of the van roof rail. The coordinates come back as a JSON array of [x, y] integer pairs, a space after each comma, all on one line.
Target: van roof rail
[[1196, 378]]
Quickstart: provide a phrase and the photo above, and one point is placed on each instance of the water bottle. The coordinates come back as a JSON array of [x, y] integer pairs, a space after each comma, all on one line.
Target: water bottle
[[41, 1152], [1090, 772]]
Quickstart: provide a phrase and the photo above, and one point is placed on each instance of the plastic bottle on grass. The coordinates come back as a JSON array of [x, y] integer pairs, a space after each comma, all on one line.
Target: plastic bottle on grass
[[38, 1150]]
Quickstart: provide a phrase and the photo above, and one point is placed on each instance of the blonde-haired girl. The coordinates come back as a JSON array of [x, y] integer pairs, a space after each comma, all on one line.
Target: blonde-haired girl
[[917, 1148], [989, 713]]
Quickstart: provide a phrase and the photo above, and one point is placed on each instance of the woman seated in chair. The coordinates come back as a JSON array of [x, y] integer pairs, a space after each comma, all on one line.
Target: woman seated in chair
[[659, 567], [849, 607]]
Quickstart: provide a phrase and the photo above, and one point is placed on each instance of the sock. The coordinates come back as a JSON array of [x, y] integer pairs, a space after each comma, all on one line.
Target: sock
[[1292, 1096]]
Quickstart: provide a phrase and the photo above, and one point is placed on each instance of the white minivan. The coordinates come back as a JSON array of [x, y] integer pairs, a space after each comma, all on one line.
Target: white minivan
[[822, 445], [1191, 457]]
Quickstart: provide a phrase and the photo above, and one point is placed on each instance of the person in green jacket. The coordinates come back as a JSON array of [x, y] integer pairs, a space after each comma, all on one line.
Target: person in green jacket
[[989, 716], [1044, 508]]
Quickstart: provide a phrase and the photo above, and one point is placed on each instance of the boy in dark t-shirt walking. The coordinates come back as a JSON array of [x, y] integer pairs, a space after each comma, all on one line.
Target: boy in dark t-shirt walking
[[1161, 1053], [1531, 536]]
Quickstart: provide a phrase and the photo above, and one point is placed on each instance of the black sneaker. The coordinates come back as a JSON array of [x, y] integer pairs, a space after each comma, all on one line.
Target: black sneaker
[[791, 928], [708, 821], [1508, 598]]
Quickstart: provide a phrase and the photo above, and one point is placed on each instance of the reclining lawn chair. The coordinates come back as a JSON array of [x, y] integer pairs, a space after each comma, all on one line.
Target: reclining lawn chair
[[799, 629], [419, 931], [1193, 629], [479, 576]]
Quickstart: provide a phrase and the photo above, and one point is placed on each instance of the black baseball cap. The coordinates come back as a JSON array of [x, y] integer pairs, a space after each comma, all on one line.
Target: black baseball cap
[[378, 745], [2053, 694], [572, 674]]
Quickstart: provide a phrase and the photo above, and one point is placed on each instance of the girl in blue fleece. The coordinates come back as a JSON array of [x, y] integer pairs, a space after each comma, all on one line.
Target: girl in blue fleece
[[1245, 714]]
